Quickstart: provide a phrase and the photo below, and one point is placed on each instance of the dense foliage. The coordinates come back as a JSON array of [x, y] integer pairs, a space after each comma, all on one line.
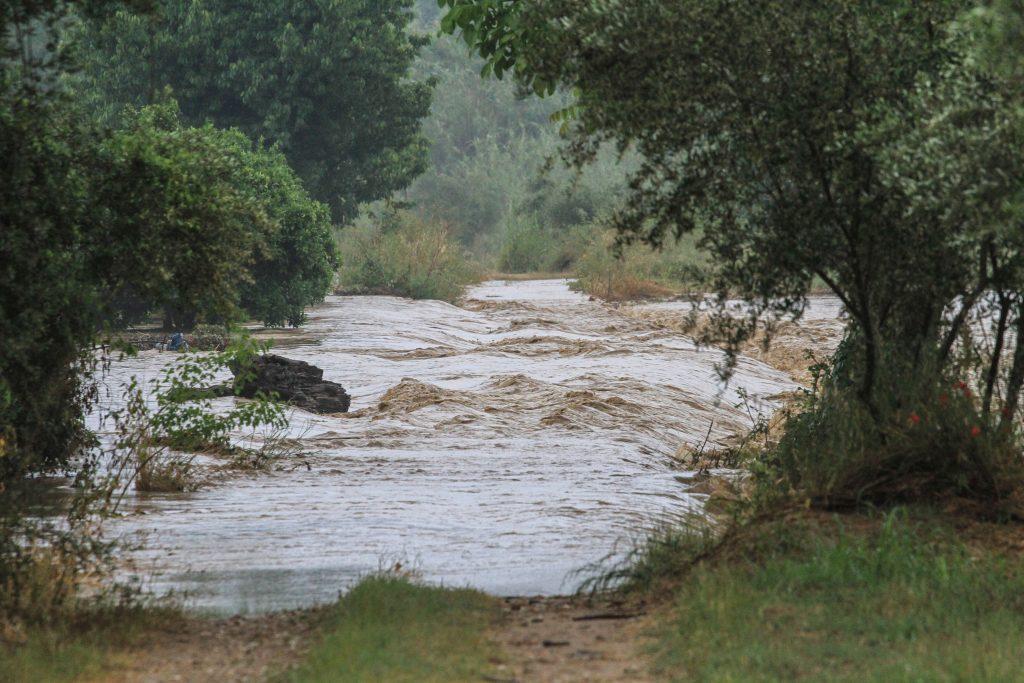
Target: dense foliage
[[219, 225], [101, 227], [47, 313], [326, 81]]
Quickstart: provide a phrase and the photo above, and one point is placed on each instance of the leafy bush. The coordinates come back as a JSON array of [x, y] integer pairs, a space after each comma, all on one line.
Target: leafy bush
[[194, 225], [187, 421], [935, 441], [528, 247], [219, 224], [295, 266], [400, 254]]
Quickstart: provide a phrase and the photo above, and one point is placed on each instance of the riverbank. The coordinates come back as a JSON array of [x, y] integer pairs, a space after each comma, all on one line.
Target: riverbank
[[908, 594]]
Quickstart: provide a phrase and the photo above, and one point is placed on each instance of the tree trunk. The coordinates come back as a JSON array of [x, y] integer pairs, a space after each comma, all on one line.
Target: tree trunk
[[1016, 379]]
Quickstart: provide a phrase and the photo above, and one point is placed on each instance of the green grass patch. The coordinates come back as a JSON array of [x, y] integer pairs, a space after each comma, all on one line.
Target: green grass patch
[[388, 629], [903, 602], [48, 657], [82, 648]]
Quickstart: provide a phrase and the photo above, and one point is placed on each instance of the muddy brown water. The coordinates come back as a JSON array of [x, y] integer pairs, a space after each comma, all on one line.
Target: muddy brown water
[[503, 444]]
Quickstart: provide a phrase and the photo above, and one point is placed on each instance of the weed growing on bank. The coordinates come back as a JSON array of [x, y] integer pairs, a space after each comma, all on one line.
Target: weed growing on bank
[[400, 254], [389, 629], [85, 646]]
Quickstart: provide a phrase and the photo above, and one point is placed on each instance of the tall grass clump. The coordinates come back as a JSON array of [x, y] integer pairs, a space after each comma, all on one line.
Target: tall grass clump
[[400, 254], [389, 629]]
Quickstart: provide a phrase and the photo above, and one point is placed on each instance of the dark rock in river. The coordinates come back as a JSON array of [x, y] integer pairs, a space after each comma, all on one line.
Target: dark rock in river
[[295, 382]]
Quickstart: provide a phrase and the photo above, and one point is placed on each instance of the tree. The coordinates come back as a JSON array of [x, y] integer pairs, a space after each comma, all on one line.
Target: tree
[[871, 145], [325, 81], [46, 314], [220, 225], [296, 267], [182, 210], [755, 124], [50, 287]]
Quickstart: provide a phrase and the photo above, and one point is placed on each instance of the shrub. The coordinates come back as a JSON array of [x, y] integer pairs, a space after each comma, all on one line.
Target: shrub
[[228, 226], [296, 266], [161, 472], [185, 418], [400, 254], [528, 247], [932, 443], [638, 272]]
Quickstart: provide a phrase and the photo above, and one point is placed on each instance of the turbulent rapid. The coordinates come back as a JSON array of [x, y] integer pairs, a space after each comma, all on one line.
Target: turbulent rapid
[[503, 444]]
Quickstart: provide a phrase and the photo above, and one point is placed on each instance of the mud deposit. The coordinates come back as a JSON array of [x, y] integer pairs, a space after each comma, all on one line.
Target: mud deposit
[[502, 445]]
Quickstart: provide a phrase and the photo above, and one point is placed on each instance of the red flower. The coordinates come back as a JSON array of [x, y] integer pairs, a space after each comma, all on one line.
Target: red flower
[[915, 419], [962, 386], [975, 431]]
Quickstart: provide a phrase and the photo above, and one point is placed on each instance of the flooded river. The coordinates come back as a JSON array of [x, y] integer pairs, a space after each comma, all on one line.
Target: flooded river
[[502, 444]]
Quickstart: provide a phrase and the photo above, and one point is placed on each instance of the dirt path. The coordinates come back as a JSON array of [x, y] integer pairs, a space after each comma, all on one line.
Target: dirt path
[[201, 650], [543, 640], [562, 640]]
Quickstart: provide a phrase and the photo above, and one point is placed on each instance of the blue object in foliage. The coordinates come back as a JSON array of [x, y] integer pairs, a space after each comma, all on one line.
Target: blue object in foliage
[[177, 342]]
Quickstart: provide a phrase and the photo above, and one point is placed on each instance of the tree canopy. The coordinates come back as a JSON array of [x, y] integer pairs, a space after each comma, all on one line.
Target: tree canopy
[[772, 127], [325, 81]]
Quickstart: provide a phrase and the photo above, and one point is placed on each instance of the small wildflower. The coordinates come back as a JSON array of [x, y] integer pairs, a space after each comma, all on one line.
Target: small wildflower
[[975, 431], [915, 419]]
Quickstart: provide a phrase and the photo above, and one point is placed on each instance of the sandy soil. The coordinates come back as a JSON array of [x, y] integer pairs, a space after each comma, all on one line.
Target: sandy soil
[[561, 640], [198, 650]]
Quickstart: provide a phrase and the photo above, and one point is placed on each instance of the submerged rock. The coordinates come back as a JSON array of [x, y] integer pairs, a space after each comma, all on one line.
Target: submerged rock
[[295, 382]]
